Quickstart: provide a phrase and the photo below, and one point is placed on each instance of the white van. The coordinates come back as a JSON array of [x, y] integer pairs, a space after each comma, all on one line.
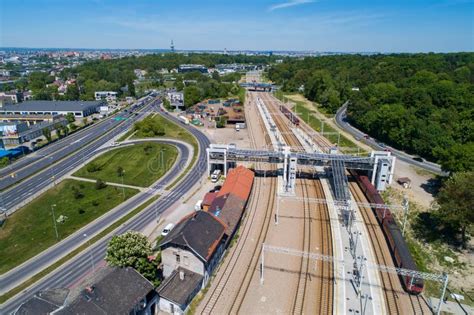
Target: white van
[[237, 127], [167, 229], [198, 205], [215, 176]]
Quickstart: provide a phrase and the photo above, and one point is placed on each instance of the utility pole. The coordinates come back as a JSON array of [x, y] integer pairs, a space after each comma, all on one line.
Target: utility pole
[[54, 221], [405, 205]]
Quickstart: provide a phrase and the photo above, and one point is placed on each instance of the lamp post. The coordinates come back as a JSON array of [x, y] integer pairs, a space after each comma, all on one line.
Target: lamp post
[[54, 221], [123, 188], [90, 252]]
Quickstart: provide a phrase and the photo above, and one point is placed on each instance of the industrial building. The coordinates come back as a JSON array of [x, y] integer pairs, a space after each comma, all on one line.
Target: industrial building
[[109, 96], [16, 133], [192, 68], [78, 108]]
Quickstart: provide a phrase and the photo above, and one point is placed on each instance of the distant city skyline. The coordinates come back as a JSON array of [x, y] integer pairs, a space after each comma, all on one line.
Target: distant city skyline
[[285, 25]]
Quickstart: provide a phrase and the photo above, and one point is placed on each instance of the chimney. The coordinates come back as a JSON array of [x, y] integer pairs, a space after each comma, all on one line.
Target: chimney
[[181, 275]]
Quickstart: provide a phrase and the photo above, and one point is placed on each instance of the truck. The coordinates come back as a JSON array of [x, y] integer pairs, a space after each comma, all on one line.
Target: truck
[[183, 119]]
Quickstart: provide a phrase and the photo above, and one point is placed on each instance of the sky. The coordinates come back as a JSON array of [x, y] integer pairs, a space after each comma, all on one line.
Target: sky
[[271, 25]]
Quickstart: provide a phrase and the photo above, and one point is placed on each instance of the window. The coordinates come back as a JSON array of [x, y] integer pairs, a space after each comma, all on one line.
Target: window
[[186, 260], [178, 258]]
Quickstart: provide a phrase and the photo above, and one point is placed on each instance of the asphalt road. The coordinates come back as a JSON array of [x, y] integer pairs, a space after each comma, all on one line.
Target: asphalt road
[[83, 263], [32, 163], [14, 196], [341, 121]]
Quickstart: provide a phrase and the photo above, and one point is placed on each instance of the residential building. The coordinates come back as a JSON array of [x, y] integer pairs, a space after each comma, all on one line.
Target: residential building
[[120, 291], [195, 243], [107, 291], [178, 290]]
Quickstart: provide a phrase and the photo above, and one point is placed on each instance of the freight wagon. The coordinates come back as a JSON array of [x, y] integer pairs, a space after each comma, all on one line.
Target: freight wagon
[[396, 242], [289, 115]]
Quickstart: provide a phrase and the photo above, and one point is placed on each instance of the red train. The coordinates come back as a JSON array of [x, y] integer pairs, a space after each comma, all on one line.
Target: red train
[[290, 115], [397, 244]]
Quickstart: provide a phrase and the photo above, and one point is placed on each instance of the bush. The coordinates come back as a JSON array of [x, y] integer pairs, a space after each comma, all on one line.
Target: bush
[[81, 211], [100, 184], [77, 193], [92, 168], [95, 203]]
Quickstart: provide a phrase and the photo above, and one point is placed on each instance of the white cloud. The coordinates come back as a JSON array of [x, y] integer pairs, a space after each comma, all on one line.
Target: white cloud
[[290, 3]]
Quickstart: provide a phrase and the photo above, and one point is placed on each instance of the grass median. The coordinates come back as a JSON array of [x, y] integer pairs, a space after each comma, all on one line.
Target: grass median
[[138, 165], [168, 129], [30, 230]]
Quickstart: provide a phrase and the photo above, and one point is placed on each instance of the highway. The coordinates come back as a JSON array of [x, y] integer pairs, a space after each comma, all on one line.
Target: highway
[[341, 121], [13, 197], [32, 163], [74, 270]]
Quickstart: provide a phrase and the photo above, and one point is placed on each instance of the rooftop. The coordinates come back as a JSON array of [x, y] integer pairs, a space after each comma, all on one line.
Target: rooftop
[[180, 291], [200, 232], [33, 106], [116, 293], [239, 182], [229, 209], [44, 302]]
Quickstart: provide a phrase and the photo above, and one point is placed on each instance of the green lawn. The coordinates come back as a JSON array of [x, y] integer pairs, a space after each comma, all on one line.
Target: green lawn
[[30, 230], [141, 163], [314, 122]]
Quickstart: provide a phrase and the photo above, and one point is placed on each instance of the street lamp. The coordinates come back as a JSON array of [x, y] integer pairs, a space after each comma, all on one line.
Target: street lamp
[[123, 188], [90, 252], [54, 221]]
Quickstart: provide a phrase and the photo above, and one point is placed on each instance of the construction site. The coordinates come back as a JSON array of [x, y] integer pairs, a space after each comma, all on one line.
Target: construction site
[[316, 237]]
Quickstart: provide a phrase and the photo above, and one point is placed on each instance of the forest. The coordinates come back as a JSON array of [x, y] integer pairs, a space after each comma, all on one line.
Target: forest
[[419, 103]]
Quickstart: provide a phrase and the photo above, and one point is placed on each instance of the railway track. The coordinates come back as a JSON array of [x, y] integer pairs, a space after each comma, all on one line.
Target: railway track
[[230, 266], [391, 286], [323, 239], [304, 274]]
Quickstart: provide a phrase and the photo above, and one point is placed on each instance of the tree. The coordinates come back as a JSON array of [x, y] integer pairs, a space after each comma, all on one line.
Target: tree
[[70, 117], [120, 171], [4, 161], [47, 134], [132, 249], [72, 92], [456, 200], [192, 95]]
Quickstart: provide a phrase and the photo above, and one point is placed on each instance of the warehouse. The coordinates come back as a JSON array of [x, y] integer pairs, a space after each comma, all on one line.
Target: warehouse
[[78, 108]]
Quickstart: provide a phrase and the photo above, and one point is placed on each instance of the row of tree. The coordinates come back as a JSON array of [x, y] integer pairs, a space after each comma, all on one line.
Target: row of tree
[[420, 103]]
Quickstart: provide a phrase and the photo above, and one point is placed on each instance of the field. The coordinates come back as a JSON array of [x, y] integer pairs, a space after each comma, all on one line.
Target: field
[[30, 230], [141, 164]]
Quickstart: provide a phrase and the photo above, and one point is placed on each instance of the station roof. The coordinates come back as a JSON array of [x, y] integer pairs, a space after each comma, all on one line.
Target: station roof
[[40, 106]]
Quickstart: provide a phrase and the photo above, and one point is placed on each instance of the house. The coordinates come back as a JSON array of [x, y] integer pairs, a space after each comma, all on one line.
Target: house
[[117, 291], [195, 243], [178, 290], [44, 302]]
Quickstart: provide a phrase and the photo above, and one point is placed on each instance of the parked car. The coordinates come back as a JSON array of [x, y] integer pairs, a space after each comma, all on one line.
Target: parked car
[[167, 229]]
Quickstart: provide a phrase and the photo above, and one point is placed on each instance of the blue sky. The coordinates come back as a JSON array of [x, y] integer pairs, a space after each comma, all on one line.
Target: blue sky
[[324, 25]]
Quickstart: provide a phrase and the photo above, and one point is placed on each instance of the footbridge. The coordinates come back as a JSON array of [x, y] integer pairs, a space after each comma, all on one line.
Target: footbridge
[[380, 164]]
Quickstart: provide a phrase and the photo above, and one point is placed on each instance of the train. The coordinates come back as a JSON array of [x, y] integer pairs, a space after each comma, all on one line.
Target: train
[[292, 117], [393, 234]]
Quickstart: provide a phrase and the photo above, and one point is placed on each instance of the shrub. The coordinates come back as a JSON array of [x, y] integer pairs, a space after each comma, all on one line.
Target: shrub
[[92, 168], [100, 184]]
